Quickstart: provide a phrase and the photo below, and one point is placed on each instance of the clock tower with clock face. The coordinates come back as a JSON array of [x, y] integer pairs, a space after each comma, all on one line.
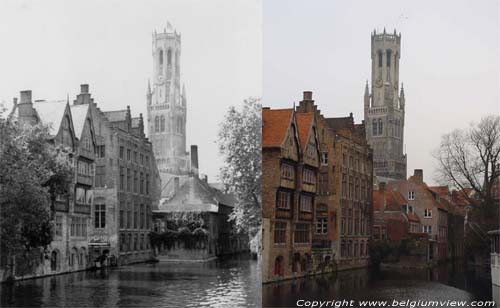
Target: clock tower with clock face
[[384, 107], [166, 105]]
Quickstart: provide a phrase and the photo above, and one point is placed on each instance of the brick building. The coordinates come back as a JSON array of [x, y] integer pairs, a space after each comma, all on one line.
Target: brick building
[[126, 184], [432, 212], [343, 214], [290, 161], [393, 218]]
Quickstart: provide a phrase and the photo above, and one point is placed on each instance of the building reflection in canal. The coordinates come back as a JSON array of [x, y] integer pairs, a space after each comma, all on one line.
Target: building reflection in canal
[[450, 282], [220, 283]]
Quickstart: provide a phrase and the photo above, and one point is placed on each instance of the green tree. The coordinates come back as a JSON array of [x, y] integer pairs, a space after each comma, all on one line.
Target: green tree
[[33, 171], [239, 142]]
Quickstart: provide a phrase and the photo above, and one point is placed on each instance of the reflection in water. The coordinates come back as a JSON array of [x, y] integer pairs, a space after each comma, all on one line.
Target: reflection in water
[[221, 283], [441, 283]]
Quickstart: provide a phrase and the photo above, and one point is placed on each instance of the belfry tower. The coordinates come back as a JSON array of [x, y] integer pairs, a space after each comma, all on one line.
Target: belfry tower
[[167, 108], [385, 107]]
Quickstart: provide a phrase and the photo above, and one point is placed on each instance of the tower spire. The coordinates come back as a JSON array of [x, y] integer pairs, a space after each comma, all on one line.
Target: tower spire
[[149, 86], [367, 91]]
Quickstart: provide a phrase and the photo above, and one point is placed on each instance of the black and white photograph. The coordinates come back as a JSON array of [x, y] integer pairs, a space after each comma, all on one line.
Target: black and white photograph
[[130, 153]]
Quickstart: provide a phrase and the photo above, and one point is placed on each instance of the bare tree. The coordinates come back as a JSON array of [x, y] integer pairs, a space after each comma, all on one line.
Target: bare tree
[[470, 158]]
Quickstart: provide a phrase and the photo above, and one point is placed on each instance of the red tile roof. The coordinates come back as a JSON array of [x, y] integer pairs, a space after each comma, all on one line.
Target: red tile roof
[[412, 217], [393, 200], [304, 121], [275, 124]]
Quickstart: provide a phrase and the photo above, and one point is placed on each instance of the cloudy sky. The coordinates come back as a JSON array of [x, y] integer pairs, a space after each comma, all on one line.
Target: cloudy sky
[[450, 61], [51, 47]]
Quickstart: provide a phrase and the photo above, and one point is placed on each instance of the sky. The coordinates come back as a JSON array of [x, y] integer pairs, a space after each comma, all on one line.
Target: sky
[[450, 62], [51, 47]]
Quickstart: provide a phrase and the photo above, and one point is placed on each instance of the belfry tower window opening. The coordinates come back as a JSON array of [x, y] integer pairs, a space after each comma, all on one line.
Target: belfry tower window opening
[[380, 58], [388, 56], [169, 57], [160, 56]]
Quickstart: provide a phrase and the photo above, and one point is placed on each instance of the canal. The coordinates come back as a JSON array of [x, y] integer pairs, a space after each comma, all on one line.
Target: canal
[[234, 282], [438, 284]]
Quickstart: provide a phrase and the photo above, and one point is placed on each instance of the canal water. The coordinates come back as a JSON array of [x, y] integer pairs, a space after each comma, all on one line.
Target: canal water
[[234, 282], [451, 282]]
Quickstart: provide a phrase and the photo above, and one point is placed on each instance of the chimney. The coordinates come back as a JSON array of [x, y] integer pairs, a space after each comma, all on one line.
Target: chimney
[[25, 107], [194, 160], [176, 185], [84, 88], [307, 103], [84, 96], [418, 174]]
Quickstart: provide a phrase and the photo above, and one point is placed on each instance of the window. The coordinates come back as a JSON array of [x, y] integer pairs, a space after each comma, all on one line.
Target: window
[[142, 159], [344, 160], [122, 218], [380, 127], [129, 216], [122, 178], [309, 176], [136, 217], [100, 151], [380, 58], [128, 154], [142, 216], [344, 184], [321, 219], [283, 200], [157, 124], [374, 127], [160, 56], [129, 180], [83, 196], [100, 216], [279, 232], [59, 223], [301, 233], [306, 203], [121, 152], [162, 123], [100, 176], [78, 226], [427, 213], [141, 184], [287, 171], [135, 157], [427, 229], [388, 57], [169, 57], [411, 195], [324, 158], [147, 184], [135, 182]]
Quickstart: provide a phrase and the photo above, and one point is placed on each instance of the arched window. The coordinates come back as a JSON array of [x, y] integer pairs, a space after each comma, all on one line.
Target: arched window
[[380, 58], [374, 127], [157, 124], [160, 56], [380, 127], [388, 53], [169, 57], [162, 123]]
